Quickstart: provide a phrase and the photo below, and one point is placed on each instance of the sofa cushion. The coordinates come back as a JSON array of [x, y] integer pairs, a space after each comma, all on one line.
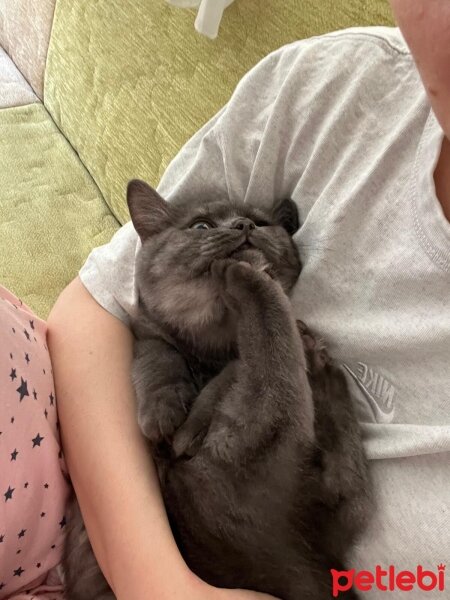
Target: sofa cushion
[[51, 211], [14, 90], [128, 82], [25, 27]]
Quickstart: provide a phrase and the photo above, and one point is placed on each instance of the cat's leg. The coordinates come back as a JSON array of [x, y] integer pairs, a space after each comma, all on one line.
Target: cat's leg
[[191, 434], [271, 393], [189, 437], [346, 485], [164, 388], [344, 469]]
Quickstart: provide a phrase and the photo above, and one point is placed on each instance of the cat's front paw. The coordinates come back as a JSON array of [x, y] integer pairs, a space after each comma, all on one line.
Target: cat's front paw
[[244, 284], [219, 268], [165, 412], [189, 438]]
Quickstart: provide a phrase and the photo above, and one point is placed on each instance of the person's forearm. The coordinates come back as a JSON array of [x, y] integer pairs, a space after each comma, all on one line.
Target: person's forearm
[[108, 460]]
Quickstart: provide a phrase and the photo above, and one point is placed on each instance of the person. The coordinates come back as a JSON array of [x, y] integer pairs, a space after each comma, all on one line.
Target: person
[[355, 127], [33, 475]]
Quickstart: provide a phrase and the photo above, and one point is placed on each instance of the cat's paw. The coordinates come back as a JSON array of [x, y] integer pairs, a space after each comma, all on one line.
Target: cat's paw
[[189, 438], [219, 269], [244, 283], [223, 445], [220, 266], [165, 412], [316, 355]]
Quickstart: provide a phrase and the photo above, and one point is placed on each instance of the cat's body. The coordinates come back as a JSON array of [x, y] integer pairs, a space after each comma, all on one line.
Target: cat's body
[[257, 447]]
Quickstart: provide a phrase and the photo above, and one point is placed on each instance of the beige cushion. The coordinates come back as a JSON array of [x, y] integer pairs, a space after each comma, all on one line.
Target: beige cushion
[[14, 90], [25, 27]]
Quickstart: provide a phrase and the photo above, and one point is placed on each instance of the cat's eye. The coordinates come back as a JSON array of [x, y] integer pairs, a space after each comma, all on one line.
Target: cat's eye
[[261, 223], [201, 225]]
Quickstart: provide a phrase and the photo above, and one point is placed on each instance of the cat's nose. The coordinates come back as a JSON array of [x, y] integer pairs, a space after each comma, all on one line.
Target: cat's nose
[[243, 223]]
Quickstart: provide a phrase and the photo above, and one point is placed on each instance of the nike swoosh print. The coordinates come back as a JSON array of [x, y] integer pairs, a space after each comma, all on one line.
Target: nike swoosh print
[[380, 415]]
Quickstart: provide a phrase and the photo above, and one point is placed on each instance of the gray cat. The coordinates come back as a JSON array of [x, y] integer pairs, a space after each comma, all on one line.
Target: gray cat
[[251, 426]]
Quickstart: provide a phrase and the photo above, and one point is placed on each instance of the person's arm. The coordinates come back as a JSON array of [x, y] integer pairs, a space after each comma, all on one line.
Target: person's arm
[[108, 460]]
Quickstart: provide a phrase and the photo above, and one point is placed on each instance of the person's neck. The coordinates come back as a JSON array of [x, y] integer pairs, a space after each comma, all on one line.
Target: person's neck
[[442, 178]]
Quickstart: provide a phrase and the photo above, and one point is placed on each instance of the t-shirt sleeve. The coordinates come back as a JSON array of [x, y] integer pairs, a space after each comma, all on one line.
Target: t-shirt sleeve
[[109, 273]]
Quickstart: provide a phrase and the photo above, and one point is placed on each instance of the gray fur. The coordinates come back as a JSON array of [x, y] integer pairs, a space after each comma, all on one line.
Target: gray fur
[[258, 450]]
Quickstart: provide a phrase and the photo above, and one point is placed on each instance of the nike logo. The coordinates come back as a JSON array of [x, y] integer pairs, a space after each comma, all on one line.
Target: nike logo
[[377, 390]]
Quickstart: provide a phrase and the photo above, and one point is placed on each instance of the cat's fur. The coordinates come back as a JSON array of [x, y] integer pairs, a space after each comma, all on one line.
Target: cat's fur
[[258, 450]]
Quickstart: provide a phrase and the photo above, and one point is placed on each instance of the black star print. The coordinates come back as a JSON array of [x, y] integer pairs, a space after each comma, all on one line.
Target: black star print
[[27, 358], [51, 397], [27, 335], [18, 572], [8, 494], [34, 394], [38, 565], [21, 533], [37, 440], [46, 485], [14, 454], [12, 419], [46, 413], [26, 485], [2, 537], [18, 551], [11, 356], [42, 514], [13, 374], [31, 324], [62, 523], [23, 389], [2, 585], [14, 331], [53, 546]]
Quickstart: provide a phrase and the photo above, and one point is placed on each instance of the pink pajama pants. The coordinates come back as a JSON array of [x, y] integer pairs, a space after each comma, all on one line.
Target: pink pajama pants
[[33, 479]]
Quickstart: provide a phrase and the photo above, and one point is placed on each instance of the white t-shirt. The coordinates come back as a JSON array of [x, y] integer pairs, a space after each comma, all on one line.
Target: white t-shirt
[[341, 123]]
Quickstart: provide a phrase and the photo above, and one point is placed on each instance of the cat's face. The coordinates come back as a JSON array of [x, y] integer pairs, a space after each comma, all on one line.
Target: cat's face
[[180, 241]]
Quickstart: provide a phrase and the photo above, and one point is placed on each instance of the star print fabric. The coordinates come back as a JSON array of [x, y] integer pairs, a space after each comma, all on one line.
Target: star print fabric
[[33, 483]]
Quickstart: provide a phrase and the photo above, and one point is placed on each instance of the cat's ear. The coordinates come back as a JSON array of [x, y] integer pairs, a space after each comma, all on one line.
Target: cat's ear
[[149, 212], [285, 213]]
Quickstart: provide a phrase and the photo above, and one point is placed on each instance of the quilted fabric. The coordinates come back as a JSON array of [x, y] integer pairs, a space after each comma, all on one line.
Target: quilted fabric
[[25, 27], [51, 212], [128, 82], [14, 90]]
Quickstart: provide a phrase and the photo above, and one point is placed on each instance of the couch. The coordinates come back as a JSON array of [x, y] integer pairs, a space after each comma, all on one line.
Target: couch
[[93, 94]]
